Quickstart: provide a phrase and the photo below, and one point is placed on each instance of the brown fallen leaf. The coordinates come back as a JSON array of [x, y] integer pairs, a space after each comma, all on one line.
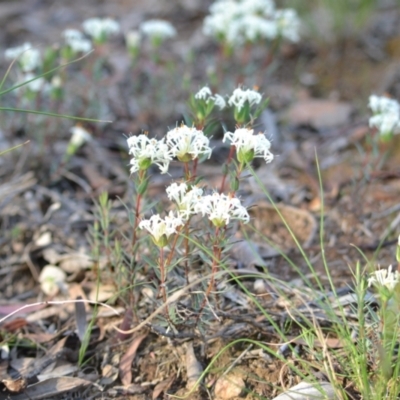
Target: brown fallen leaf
[[15, 385], [125, 366], [162, 386], [193, 367], [47, 389]]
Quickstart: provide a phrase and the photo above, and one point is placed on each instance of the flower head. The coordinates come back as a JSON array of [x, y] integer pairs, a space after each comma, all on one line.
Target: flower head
[[384, 278], [188, 143], [386, 118], [28, 57], [239, 21], [206, 95], [76, 41], [185, 197], [158, 30], [100, 29], [249, 146], [220, 209], [161, 229], [147, 151], [240, 97]]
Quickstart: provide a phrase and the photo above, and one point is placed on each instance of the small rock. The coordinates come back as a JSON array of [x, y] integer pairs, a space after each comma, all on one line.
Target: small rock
[[228, 387], [321, 114]]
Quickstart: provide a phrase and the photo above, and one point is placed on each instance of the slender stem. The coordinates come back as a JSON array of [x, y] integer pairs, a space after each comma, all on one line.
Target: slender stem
[[228, 161], [162, 276], [217, 251], [142, 176]]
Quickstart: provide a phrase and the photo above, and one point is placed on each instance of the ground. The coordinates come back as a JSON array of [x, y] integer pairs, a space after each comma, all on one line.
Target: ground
[[318, 124]]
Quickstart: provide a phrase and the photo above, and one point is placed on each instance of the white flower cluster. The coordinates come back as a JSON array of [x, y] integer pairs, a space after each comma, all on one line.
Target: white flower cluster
[[186, 198], [241, 21], [100, 28], [158, 29], [221, 208], [28, 58], [386, 118], [240, 97], [248, 145], [147, 151], [161, 229], [187, 143], [384, 278], [76, 41], [183, 142], [205, 94]]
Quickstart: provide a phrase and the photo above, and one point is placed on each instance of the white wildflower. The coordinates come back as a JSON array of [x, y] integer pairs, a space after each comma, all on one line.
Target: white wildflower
[[161, 229], [100, 29], [384, 278], [52, 279], [240, 97], [79, 136], [288, 24], [205, 94], [249, 146], [158, 29], [186, 198], [220, 209], [28, 57], [132, 39], [76, 41], [147, 151], [220, 101], [241, 21], [37, 85], [386, 118], [188, 143]]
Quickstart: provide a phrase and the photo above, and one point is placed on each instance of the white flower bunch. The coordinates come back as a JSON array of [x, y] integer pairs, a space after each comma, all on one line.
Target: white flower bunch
[[147, 151], [386, 118], [158, 30], [384, 278], [221, 208], [28, 58], [187, 143], [249, 146], [240, 97], [206, 95], [76, 41], [185, 197], [100, 29], [161, 229], [241, 21]]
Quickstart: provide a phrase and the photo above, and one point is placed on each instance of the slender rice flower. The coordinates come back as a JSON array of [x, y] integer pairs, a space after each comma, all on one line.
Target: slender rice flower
[[240, 97], [185, 198], [132, 40], [76, 41], [384, 278], [147, 151], [386, 118], [206, 95], [220, 209], [161, 229], [249, 146], [288, 24], [100, 29], [28, 58], [237, 22], [188, 143], [157, 30]]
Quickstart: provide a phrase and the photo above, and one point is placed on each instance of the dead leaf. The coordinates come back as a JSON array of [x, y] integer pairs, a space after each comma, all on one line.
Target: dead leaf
[[46, 389], [229, 387], [125, 366], [80, 318], [193, 367], [15, 385], [162, 387]]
